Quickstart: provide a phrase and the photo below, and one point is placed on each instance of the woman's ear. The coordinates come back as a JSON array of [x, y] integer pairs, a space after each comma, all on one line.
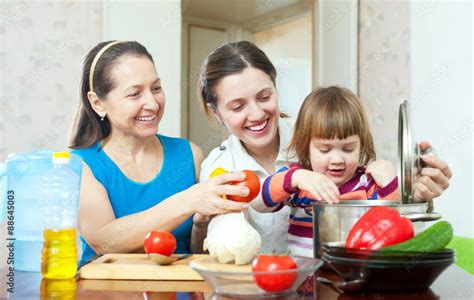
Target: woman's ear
[[96, 104]]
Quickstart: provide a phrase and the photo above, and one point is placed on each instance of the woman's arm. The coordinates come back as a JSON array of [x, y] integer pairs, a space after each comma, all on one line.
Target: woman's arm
[[105, 234], [200, 222]]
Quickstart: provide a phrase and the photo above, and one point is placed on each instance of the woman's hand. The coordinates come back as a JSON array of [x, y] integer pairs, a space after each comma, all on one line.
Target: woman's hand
[[433, 179], [319, 185], [382, 171], [205, 197]]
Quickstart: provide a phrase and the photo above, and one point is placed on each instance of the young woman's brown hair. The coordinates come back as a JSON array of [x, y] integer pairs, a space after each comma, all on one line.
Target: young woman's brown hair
[[89, 128], [229, 59], [328, 113]]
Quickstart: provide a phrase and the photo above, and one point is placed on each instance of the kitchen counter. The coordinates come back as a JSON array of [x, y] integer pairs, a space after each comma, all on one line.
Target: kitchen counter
[[453, 283]]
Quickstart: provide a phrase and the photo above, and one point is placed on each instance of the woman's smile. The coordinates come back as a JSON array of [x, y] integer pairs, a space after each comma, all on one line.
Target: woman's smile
[[259, 127], [147, 120]]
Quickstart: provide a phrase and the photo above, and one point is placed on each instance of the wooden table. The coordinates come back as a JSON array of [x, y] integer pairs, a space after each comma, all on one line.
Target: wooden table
[[453, 283]]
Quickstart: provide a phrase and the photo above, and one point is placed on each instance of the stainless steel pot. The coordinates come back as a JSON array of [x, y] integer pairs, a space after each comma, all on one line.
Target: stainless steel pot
[[332, 222]]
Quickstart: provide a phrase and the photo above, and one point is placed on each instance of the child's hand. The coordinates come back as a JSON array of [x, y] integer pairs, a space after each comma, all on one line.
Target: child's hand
[[320, 186], [382, 171]]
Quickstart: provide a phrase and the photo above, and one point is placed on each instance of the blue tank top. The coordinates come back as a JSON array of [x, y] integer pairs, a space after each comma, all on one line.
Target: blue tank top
[[128, 197]]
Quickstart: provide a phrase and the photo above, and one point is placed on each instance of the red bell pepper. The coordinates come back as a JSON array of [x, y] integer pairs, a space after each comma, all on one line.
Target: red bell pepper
[[379, 227]]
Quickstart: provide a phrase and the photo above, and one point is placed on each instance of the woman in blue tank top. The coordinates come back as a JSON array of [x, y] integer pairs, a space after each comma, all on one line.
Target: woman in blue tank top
[[135, 180]]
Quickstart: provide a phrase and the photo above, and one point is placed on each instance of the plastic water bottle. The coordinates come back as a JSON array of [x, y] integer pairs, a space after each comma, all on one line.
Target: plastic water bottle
[[60, 194]]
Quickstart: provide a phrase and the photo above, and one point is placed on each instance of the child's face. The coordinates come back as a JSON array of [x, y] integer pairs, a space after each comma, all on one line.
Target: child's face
[[335, 158]]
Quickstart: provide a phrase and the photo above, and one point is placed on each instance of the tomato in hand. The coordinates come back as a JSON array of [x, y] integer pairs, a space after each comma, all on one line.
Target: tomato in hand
[[252, 182], [274, 282], [160, 242]]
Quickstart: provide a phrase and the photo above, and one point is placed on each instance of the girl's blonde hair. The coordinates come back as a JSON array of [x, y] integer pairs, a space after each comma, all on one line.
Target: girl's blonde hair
[[329, 113]]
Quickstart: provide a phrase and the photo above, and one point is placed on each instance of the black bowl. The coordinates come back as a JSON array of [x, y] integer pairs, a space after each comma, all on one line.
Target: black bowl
[[389, 275], [337, 249]]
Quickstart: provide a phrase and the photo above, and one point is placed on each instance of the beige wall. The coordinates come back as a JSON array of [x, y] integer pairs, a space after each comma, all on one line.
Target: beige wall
[[42, 48], [384, 68], [43, 45]]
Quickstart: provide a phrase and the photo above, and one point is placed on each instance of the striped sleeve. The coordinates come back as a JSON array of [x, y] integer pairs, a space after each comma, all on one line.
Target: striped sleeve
[[273, 190], [389, 192]]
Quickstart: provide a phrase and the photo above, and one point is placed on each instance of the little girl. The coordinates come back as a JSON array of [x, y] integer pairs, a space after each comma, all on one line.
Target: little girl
[[336, 157]]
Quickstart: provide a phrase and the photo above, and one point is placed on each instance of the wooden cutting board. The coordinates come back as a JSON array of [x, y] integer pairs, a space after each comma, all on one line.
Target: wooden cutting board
[[138, 267]]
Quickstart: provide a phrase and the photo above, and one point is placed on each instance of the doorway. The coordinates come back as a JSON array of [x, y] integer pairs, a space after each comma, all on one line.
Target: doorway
[[282, 29]]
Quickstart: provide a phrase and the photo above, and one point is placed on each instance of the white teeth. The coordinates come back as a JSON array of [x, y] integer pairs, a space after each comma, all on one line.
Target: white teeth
[[145, 119], [258, 127]]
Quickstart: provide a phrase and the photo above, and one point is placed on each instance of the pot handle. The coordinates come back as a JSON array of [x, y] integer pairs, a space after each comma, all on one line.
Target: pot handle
[[423, 217]]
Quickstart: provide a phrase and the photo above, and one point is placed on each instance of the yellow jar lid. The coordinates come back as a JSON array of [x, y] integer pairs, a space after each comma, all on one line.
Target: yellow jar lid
[[62, 155]]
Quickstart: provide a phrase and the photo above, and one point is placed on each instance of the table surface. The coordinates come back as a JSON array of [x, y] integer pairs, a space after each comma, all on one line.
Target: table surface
[[453, 283]]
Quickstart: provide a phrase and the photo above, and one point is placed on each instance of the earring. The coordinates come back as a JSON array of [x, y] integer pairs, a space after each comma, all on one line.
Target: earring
[[102, 118]]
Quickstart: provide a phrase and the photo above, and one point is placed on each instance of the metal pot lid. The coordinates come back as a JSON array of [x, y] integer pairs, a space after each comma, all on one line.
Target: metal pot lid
[[409, 152], [405, 154]]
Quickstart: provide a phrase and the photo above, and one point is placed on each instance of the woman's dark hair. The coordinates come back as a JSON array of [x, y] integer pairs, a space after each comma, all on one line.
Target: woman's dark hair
[[229, 59], [88, 126]]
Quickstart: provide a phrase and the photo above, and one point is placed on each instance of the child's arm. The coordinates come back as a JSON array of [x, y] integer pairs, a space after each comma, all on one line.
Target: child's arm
[[386, 181], [271, 200], [295, 186]]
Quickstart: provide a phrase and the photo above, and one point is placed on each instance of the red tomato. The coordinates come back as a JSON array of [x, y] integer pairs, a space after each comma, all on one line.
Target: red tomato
[[163, 243], [252, 182], [274, 282]]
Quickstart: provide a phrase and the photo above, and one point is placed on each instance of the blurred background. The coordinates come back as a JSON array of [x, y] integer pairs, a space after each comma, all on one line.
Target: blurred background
[[385, 51]]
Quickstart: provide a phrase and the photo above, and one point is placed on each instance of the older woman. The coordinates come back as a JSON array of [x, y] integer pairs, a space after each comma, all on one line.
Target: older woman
[[134, 180], [237, 87]]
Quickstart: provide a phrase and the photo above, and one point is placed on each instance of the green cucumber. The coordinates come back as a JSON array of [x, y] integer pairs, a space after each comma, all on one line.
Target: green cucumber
[[435, 238]]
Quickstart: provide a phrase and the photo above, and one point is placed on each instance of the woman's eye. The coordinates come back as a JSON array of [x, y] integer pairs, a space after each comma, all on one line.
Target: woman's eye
[[265, 98], [348, 150], [237, 108], [324, 150], [157, 89], [134, 94]]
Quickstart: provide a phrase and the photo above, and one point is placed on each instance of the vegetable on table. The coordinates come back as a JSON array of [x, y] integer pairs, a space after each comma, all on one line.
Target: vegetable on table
[[160, 242], [230, 238], [274, 282], [379, 227], [435, 238]]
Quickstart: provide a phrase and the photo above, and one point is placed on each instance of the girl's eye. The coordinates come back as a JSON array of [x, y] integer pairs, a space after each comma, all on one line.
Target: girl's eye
[[348, 150], [324, 150], [265, 98]]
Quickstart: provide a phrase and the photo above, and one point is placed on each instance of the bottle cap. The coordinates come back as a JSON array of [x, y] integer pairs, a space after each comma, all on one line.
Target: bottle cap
[[61, 157]]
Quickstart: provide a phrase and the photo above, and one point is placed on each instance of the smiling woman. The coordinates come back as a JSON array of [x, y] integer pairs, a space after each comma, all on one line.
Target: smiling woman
[[130, 185]]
